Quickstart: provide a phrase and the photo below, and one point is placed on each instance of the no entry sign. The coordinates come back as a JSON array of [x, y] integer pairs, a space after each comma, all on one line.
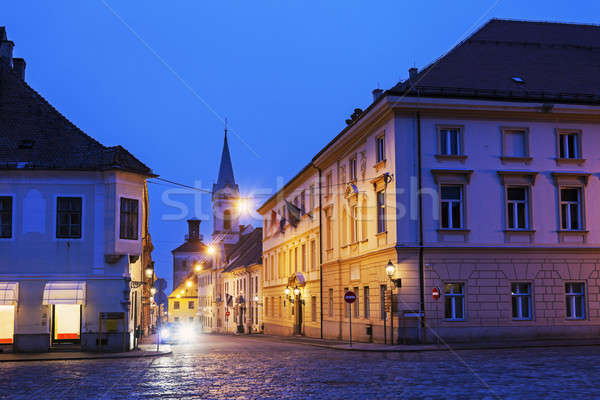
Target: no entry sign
[[227, 313], [350, 297], [435, 293]]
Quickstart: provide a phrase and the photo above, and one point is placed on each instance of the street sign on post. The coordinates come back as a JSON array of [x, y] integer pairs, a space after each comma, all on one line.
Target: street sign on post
[[435, 293], [227, 313], [160, 284], [350, 297]]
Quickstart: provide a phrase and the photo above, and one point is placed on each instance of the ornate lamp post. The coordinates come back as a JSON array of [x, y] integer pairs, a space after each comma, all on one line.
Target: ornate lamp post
[[390, 270]]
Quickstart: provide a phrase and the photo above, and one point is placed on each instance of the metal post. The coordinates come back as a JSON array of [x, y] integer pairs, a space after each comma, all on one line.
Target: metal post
[[384, 323], [158, 332], [350, 324], [392, 313]]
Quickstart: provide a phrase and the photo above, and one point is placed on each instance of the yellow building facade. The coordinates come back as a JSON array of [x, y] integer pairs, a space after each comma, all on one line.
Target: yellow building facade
[[183, 302]]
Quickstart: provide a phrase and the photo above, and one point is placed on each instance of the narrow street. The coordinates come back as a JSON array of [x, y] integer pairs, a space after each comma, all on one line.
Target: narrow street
[[220, 367]]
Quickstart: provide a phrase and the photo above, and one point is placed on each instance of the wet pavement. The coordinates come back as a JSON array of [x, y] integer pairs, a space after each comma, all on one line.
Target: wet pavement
[[229, 367]]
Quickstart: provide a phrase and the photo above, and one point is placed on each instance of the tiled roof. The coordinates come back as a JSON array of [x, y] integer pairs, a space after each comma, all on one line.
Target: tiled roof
[[248, 251], [556, 62], [191, 246], [34, 135]]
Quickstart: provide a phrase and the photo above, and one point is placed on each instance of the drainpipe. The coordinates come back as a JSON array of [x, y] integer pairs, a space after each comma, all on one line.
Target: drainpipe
[[320, 247], [421, 249]]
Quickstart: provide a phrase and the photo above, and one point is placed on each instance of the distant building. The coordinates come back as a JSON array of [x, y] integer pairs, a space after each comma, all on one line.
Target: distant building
[[475, 178], [191, 253], [183, 302], [75, 268]]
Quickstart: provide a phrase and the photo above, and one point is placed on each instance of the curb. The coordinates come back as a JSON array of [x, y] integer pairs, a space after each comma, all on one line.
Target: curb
[[92, 357]]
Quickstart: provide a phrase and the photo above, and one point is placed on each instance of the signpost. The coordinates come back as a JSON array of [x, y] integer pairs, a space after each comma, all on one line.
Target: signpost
[[160, 298], [435, 293], [350, 297]]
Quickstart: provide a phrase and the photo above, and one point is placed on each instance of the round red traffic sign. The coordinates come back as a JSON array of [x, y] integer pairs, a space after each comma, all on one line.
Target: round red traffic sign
[[227, 313], [349, 296], [435, 293]]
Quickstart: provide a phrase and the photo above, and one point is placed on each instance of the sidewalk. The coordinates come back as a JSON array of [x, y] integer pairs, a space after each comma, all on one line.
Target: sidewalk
[[145, 351], [383, 348]]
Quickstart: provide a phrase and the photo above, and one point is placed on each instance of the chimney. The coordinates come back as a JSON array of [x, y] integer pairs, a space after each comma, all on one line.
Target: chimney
[[193, 229], [6, 51], [19, 68], [412, 72], [377, 94]]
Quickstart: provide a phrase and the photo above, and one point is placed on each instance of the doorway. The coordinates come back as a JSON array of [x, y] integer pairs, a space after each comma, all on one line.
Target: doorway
[[66, 323], [7, 324]]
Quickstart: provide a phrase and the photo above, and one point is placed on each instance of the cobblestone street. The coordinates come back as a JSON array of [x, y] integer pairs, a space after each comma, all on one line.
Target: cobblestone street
[[249, 368]]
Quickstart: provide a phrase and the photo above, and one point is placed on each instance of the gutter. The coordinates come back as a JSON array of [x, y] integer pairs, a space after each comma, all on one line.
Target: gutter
[[421, 249]]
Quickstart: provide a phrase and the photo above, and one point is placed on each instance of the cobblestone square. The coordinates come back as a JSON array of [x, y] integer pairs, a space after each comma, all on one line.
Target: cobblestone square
[[219, 367]]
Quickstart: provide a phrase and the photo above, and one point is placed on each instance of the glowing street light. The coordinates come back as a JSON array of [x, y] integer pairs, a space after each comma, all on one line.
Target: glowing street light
[[287, 291], [178, 296], [188, 284], [153, 291], [211, 249], [390, 269], [296, 291], [198, 267], [182, 291]]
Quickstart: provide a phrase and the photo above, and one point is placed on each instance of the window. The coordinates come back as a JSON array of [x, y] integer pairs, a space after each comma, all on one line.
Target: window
[[6, 217], [454, 297], [176, 319], [575, 299], [352, 168], [303, 257], [354, 224], [303, 201], [329, 187], [366, 302], [521, 300], [329, 232], [129, 219], [450, 142], [227, 220], [514, 143], [295, 201], [311, 198], [347, 306], [380, 148], [313, 308], [381, 223], [451, 207], [568, 145], [517, 208], [68, 217], [331, 302], [176, 305], [356, 302], [382, 290], [313, 255], [570, 209], [190, 305], [295, 259]]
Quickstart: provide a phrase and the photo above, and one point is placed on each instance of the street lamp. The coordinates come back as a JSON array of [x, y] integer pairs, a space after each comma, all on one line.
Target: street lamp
[[296, 291], [390, 269], [211, 249], [198, 267], [188, 283], [152, 291], [286, 291], [256, 299]]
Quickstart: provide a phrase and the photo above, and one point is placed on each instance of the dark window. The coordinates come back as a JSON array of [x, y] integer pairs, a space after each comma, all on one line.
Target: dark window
[[366, 302], [190, 305], [521, 300], [450, 141], [381, 212], [227, 220], [68, 217], [5, 217], [517, 207], [382, 289], [380, 148], [129, 219], [570, 209], [569, 146], [451, 207], [575, 300], [176, 305], [454, 297]]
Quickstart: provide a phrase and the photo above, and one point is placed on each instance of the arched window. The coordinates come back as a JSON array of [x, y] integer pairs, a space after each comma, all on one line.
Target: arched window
[[227, 220]]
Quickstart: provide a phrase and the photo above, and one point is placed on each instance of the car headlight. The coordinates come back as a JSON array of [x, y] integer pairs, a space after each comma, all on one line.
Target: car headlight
[[187, 332], [165, 333]]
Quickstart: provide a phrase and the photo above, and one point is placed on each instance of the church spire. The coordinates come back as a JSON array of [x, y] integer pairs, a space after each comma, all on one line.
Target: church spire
[[226, 177]]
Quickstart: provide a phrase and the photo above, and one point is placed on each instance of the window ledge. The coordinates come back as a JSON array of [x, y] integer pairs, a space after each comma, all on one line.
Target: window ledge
[[570, 161], [576, 319], [450, 230], [378, 234], [450, 157], [364, 240], [509, 159], [572, 232], [523, 231], [455, 320], [379, 166]]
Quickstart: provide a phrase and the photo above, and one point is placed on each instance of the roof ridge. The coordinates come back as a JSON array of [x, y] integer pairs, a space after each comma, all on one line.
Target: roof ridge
[[539, 22]]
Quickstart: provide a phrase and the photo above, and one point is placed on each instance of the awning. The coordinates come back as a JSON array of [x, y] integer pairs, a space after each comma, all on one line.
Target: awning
[[9, 293], [67, 292]]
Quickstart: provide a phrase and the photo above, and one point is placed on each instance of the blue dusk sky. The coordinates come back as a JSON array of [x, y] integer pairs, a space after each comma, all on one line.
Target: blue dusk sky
[[159, 78]]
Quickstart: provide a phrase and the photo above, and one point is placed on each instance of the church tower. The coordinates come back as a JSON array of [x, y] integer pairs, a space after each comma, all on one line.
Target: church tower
[[225, 204]]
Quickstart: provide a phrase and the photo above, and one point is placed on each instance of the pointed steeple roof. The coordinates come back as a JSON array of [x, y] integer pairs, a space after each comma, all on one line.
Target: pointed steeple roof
[[226, 177]]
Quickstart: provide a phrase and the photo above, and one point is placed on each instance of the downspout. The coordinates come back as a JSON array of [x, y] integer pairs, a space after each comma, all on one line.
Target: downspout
[[421, 249], [320, 247]]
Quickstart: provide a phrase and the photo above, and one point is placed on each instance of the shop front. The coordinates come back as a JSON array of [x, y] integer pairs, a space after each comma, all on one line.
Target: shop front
[[65, 300], [9, 295]]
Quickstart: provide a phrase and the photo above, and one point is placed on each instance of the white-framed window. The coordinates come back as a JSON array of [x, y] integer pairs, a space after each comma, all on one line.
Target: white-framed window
[[451, 207], [313, 254], [329, 184], [450, 141], [366, 302], [380, 148], [303, 201], [517, 207], [330, 302], [381, 223], [569, 145], [354, 224], [454, 301], [356, 303], [311, 197], [570, 208], [69, 216], [575, 300], [521, 300], [352, 168], [303, 257]]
